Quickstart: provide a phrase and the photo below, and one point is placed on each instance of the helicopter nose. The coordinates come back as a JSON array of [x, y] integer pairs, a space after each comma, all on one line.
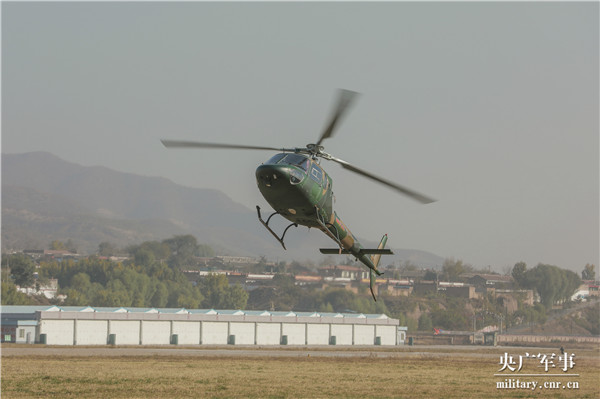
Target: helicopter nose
[[272, 175]]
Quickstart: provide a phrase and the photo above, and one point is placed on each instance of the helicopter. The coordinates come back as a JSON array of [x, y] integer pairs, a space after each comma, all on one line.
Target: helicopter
[[297, 187]]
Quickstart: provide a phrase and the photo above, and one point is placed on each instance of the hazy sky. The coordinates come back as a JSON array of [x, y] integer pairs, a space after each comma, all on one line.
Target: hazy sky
[[492, 108]]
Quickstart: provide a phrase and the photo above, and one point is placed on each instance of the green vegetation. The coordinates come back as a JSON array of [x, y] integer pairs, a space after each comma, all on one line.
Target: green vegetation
[[552, 283], [101, 282], [153, 276], [10, 295], [588, 272], [21, 268]]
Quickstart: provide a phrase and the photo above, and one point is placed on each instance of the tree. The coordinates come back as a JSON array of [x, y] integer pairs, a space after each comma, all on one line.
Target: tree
[[183, 249], [552, 283], [22, 269], [588, 272], [425, 323], [143, 257], [10, 295], [206, 251], [57, 246], [106, 249], [407, 266], [70, 246], [81, 282], [219, 294], [452, 269], [518, 273], [430, 275], [236, 297], [160, 297]]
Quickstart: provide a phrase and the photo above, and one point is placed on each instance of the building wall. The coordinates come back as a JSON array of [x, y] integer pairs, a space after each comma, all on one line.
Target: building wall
[[296, 333], [21, 334], [58, 332], [364, 334], [317, 334], [155, 328], [91, 332], [342, 333], [155, 332], [387, 334], [214, 333], [243, 332], [269, 333], [187, 333], [127, 332]]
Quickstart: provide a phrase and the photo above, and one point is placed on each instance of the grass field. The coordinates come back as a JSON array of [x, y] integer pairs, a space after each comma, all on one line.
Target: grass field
[[422, 376]]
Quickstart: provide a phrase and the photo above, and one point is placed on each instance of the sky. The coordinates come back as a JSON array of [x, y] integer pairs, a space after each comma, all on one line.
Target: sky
[[491, 108]]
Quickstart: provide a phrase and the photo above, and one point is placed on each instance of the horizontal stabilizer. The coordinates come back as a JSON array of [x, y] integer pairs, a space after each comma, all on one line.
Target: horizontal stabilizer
[[364, 251], [333, 251]]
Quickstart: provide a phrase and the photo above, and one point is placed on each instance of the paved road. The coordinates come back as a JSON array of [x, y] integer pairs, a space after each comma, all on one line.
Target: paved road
[[235, 352], [440, 351]]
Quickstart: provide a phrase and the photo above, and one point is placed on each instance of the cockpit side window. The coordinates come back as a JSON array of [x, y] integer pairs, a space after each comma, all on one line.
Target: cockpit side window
[[316, 173]]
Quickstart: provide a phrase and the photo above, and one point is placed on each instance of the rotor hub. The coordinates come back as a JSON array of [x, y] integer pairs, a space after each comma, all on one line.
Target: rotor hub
[[315, 149]]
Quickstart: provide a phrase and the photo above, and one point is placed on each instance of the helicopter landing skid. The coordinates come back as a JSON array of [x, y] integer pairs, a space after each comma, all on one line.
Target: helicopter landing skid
[[266, 224]]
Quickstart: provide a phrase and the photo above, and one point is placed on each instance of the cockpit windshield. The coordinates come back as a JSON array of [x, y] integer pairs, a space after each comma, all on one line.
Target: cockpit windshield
[[290, 159]]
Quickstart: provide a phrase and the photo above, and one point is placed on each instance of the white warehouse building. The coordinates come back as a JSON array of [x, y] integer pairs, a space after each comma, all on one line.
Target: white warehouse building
[[141, 326]]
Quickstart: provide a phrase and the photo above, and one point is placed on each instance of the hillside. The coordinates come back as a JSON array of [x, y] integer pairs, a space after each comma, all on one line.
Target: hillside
[[582, 320], [45, 198]]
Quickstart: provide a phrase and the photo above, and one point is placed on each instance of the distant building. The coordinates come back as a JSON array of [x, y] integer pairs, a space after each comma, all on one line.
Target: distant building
[[393, 287], [424, 287], [485, 281], [308, 280], [510, 298], [344, 272], [48, 290], [457, 290]]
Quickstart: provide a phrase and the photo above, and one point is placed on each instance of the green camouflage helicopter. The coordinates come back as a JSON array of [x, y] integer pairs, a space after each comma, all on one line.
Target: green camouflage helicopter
[[296, 186]]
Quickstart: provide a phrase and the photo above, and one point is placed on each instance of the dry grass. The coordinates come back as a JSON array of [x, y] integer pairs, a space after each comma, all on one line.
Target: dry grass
[[263, 377]]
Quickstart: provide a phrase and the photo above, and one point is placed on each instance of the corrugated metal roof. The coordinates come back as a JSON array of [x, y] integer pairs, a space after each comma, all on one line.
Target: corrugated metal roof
[[111, 310], [230, 312], [7, 309], [172, 310], [331, 315], [257, 313], [283, 313], [202, 311], [307, 314]]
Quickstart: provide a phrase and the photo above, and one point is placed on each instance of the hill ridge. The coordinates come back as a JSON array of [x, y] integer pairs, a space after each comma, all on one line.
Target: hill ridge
[[45, 197]]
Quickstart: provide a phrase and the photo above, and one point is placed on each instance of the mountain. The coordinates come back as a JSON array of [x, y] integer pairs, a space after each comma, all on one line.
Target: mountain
[[45, 198]]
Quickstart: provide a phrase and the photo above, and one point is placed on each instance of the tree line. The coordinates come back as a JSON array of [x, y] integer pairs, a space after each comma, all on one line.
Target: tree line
[[152, 277]]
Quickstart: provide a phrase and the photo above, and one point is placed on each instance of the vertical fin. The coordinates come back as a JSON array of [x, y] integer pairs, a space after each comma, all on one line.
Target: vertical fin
[[375, 258]]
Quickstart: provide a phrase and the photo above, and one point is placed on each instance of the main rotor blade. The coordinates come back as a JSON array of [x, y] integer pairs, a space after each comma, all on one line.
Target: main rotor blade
[[408, 192], [345, 99], [197, 144]]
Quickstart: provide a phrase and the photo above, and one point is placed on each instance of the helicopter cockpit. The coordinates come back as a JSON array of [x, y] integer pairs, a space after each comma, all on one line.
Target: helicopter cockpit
[[302, 162], [290, 159]]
